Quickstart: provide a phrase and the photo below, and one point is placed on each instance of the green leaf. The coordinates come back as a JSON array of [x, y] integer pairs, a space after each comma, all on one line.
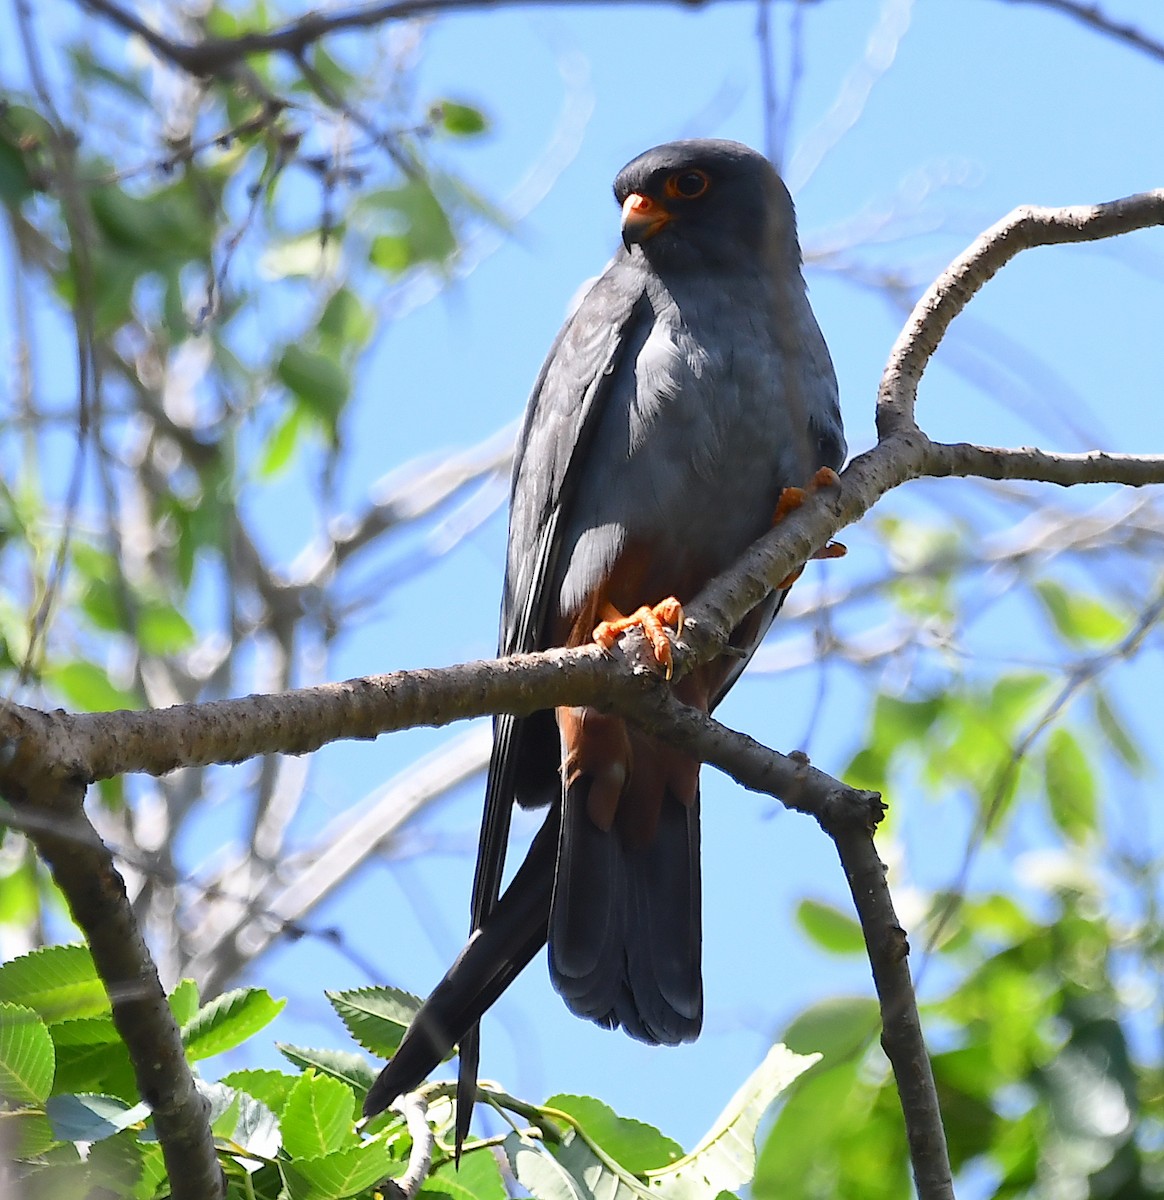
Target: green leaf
[[281, 443], [27, 1059], [87, 687], [595, 1175], [1115, 731], [349, 1068], [248, 1124], [101, 1067], [342, 1173], [346, 322], [319, 382], [836, 1028], [830, 928], [726, 1157], [634, 1145], [58, 982], [537, 1169], [26, 1134], [420, 228], [1071, 791], [318, 1117], [269, 1087], [162, 629], [376, 1017], [228, 1020], [86, 1031], [1080, 619], [807, 1134], [477, 1178], [15, 181], [462, 120], [184, 1001]]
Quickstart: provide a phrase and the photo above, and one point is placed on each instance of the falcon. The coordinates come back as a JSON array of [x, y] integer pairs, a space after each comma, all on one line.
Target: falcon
[[682, 404]]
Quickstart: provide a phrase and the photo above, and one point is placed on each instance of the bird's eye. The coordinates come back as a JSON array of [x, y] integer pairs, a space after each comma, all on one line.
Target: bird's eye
[[687, 185]]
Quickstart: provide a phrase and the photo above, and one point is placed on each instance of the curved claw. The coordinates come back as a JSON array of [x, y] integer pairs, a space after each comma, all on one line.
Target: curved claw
[[653, 622]]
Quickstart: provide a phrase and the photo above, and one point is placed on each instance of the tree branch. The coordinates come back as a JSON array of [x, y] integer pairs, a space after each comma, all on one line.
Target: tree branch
[[1022, 229], [83, 869]]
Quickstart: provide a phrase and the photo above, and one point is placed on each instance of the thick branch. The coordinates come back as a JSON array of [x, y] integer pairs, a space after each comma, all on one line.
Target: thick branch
[[83, 869]]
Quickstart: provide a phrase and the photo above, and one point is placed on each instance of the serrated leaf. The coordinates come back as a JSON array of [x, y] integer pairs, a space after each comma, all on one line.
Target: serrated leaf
[[27, 1058], [830, 928], [86, 1031], [343, 1173], [634, 1145], [344, 1065], [594, 1176], [183, 1001], [536, 1169], [250, 1126], [270, 1087], [802, 1137], [726, 1157], [228, 1020], [89, 1118], [376, 1017], [58, 982], [477, 1178], [319, 1117], [1071, 792]]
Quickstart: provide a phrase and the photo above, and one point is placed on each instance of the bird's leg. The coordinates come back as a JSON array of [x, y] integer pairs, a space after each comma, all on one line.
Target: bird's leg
[[791, 498], [652, 621]]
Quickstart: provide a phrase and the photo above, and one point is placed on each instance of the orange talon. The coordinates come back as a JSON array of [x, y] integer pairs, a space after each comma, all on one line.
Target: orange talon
[[825, 477], [791, 498], [653, 623], [832, 550]]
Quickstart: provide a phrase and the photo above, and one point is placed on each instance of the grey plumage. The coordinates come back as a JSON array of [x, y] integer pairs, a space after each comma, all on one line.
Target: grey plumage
[[689, 387]]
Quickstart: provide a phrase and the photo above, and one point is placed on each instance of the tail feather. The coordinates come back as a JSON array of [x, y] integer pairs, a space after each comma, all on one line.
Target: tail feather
[[625, 929], [489, 963]]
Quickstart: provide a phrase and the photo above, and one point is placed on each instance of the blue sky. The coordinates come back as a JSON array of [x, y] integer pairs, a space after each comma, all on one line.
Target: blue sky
[[984, 106]]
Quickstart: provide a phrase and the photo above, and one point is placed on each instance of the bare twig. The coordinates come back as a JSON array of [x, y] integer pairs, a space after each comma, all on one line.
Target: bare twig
[[1095, 18]]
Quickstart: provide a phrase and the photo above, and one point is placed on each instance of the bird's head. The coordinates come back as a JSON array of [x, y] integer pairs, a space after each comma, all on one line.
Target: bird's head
[[705, 204]]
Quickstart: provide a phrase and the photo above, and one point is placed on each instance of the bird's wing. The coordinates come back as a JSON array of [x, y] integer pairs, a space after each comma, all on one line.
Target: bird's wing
[[552, 450]]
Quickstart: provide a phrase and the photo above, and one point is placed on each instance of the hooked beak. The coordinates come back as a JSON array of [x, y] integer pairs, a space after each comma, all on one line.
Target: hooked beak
[[642, 218]]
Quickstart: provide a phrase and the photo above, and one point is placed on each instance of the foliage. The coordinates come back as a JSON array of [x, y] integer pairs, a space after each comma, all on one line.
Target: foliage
[[73, 1118]]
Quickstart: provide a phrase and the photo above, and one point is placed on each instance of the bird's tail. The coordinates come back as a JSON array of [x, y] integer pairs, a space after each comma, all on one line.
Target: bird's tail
[[494, 956], [625, 926]]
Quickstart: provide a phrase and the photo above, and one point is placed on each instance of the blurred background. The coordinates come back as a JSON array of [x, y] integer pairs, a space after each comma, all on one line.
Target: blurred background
[[266, 329]]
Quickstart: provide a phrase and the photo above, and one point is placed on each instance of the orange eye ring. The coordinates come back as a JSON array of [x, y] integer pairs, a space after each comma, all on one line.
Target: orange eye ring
[[687, 185]]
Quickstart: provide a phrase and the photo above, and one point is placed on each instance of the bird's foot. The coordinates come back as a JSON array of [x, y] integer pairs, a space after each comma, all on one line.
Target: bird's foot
[[654, 623], [790, 499]]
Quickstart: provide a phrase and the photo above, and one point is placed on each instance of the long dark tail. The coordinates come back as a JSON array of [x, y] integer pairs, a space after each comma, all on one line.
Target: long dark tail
[[514, 932], [625, 927]]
